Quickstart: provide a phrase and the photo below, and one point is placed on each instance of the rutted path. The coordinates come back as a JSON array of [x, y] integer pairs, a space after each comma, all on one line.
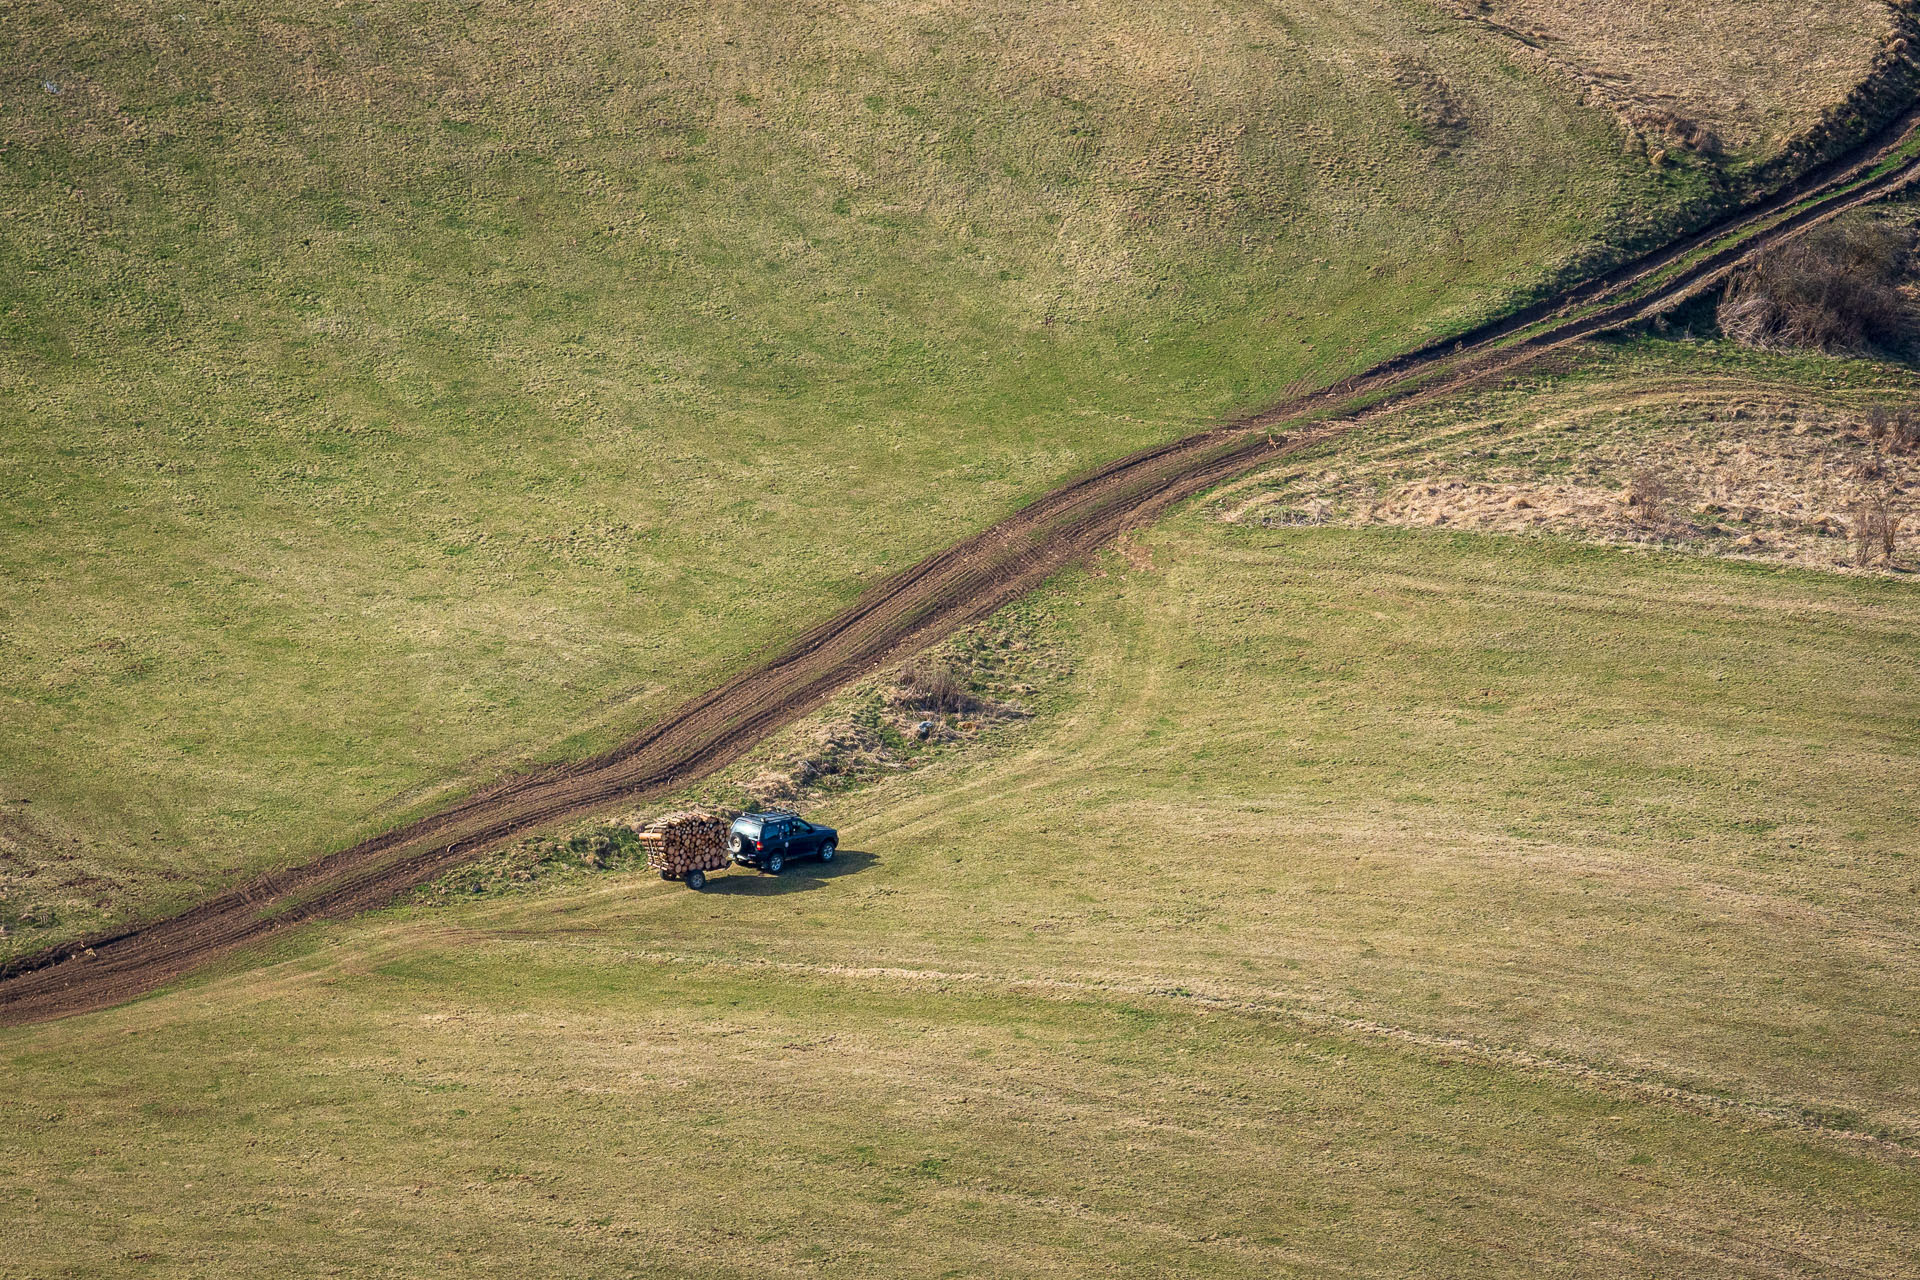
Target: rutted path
[[909, 610]]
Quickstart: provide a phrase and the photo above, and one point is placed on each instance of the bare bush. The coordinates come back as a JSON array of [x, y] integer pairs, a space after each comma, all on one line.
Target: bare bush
[[935, 687], [1876, 529], [1651, 492], [1836, 289], [1894, 429]]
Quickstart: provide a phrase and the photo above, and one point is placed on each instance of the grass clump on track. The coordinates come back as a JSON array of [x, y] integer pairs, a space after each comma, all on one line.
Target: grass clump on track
[[389, 402]]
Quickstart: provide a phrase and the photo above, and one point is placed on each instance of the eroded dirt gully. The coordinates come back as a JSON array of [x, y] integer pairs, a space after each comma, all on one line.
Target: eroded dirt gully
[[947, 591]]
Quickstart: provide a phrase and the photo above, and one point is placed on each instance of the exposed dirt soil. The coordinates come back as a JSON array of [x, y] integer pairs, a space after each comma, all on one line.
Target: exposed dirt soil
[[950, 590]]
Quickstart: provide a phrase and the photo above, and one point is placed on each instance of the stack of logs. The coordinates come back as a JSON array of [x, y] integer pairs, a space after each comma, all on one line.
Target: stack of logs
[[692, 840]]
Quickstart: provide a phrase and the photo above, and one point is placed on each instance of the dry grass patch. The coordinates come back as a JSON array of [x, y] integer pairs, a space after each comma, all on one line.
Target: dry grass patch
[[1674, 448], [1722, 75]]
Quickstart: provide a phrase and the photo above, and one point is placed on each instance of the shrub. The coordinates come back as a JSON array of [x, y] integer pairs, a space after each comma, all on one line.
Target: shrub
[[1895, 430], [935, 687], [1876, 529], [1836, 289], [1652, 492]]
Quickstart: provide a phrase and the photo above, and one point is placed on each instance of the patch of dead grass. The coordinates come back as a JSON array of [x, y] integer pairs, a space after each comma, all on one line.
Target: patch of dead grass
[[1741, 75], [1754, 469]]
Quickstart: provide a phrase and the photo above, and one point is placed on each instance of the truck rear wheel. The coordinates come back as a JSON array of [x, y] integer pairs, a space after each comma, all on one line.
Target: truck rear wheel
[[696, 879], [775, 863]]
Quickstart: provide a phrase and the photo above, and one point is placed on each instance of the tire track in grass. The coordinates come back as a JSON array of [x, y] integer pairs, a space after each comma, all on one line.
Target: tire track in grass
[[1303, 1010]]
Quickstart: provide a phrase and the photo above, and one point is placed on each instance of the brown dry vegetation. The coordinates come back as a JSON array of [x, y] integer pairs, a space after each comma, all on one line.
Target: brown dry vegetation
[[1842, 288], [1737, 456], [1740, 75]]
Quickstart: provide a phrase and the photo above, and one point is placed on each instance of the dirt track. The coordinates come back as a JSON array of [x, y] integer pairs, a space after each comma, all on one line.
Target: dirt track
[[949, 590]]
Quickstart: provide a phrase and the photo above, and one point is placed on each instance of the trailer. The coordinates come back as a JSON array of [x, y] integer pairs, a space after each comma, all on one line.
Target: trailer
[[686, 846]]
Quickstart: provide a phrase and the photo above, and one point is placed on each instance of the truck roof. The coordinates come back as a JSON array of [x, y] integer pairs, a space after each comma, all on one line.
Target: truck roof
[[775, 815]]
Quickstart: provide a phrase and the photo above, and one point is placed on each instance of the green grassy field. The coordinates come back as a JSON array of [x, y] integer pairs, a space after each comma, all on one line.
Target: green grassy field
[[492, 1105], [1360, 901], [391, 396]]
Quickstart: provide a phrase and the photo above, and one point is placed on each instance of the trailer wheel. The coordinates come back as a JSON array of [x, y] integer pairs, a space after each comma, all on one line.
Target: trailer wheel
[[826, 852], [666, 875], [775, 863], [696, 879]]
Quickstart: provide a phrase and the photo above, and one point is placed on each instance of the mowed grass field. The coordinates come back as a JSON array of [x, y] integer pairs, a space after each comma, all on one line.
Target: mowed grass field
[[393, 395], [1364, 902]]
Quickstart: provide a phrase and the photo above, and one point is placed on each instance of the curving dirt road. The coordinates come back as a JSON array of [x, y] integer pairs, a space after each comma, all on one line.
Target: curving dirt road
[[905, 612]]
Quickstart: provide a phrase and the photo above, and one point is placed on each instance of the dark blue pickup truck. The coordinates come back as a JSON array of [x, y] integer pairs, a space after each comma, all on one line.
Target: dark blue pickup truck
[[771, 840]]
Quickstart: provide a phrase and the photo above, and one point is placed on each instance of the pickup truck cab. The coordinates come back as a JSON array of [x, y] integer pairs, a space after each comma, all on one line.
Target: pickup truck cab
[[771, 840]]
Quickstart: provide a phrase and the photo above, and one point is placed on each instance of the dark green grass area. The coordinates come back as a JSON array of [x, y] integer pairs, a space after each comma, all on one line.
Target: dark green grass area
[[389, 396]]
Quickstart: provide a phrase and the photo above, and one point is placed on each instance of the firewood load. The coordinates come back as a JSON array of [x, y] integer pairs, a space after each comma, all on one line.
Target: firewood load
[[692, 840]]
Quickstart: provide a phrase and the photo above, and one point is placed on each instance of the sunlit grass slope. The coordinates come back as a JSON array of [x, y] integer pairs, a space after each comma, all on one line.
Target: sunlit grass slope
[[1639, 809], [1755, 72], [388, 394], [1365, 903], [1643, 810]]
